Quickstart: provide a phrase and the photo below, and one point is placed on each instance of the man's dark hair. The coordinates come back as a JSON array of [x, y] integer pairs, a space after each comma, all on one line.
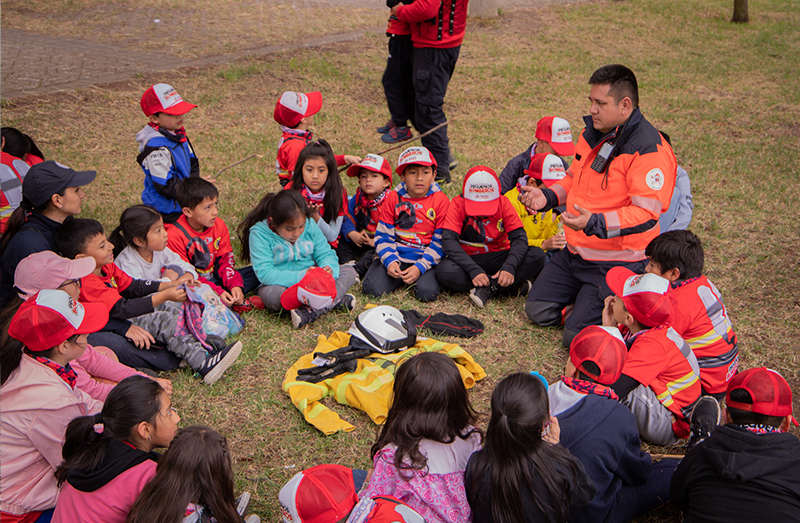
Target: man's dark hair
[[73, 235], [192, 191], [744, 417], [621, 80], [680, 250]]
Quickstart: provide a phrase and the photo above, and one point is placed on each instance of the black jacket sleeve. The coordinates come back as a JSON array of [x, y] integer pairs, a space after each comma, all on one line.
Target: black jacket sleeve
[[125, 308], [140, 288], [452, 248], [624, 385], [514, 170], [519, 247], [117, 326]]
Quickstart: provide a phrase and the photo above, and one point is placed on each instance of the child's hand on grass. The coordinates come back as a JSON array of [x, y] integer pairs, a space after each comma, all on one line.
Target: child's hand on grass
[[481, 280], [140, 337]]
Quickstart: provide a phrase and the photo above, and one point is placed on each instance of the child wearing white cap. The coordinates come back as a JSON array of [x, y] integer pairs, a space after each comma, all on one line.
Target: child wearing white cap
[[485, 242]]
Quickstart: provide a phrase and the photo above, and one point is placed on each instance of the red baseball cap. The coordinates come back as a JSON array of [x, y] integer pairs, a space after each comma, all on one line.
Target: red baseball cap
[[317, 289], [481, 191], [321, 494], [557, 132], [602, 345], [646, 296], [163, 98], [48, 270], [546, 167], [415, 156], [371, 162], [771, 395], [50, 317], [293, 107]]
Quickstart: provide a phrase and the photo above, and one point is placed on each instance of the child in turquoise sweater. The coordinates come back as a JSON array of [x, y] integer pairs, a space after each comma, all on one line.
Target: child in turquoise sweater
[[283, 244]]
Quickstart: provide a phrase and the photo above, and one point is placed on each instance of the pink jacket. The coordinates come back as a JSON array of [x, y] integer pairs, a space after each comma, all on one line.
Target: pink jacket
[[36, 406], [94, 364], [108, 504]]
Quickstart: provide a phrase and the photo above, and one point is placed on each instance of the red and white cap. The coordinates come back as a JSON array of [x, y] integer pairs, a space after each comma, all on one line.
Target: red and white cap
[[415, 156], [50, 317], [163, 98], [317, 290], [646, 296], [557, 132], [481, 191], [371, 162], [546, 167], [770, 392], [48, 270], [293, 107], [321, 494], [603, 346]]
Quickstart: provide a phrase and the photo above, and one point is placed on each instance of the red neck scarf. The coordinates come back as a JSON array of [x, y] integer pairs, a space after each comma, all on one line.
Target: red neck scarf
[[66, 372], [175, 136], [589, 387]]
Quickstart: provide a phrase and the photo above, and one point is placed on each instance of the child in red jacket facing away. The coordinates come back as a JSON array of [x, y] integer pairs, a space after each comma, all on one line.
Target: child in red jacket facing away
[[660, 381], [700, 316], [295, 112], [358, 229], [485, 242]]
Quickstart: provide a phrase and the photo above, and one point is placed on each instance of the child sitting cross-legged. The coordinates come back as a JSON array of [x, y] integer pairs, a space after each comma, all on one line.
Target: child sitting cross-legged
[[485, 243], [358, 229], [408, 238], [129, 299], [660, 382]]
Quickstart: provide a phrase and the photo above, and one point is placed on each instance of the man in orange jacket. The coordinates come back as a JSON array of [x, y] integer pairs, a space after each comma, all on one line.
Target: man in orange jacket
[[616, 189]]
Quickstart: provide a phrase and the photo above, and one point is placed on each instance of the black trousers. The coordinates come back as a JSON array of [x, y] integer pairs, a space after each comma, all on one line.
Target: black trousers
[[377, 282], [453, 277], [397, 80], [155, 358], [432, 71], [349, 251]]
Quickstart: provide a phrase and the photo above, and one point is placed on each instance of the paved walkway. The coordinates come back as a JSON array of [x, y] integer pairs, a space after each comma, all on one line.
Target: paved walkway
[[35, 64]]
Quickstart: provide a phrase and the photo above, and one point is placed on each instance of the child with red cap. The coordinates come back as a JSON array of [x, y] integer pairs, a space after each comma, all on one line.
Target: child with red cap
[[553, 136], [165, 152], [295, 112], [408, 238], [358, 228], [660, 382], [485, 243], [749, 468], [602, 433], [541, 228]]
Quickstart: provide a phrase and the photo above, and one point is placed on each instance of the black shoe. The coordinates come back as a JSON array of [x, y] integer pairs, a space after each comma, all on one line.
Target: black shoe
[[147, 372], [347, 303], [480, 296], [443, 176], [451, 160], [705, 417], [217, 343], [525, 289], [303, 316], [386, 128], [397, 134], [216, 364]]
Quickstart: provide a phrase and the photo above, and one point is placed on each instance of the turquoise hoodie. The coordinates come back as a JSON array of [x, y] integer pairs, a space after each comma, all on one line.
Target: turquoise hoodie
[[278, 262]]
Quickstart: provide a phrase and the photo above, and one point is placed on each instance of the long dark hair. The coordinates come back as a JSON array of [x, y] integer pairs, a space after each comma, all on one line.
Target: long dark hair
[[20, 215], [279, 208], [430, 402], [195, 469], [333, 185], [10, 348], [132, 401], [514, 452], [135, 222], [19, 144]]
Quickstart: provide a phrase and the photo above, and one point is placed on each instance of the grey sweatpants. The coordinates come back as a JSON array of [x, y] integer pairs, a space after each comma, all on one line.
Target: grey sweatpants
[[162, 323], [653, 419], [271, 294]]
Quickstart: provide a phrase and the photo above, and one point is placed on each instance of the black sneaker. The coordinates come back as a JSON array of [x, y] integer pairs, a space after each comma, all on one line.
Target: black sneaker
[[217, 343], [480, 296], [443, 176], [705, 417], [243, 503], [216, 364], [397, 134], [526, 288], [303, 316], [451, 160], [347, 303], [386, 128]]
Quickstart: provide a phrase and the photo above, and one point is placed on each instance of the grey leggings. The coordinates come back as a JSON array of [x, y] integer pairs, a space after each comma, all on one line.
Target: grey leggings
[[161, 324], [271, 294]]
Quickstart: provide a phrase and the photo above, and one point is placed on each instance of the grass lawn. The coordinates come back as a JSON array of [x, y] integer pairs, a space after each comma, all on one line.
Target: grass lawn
[[727, 94]]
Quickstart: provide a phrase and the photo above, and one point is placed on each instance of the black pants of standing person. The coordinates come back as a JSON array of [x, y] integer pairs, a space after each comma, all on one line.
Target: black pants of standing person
[[397, 80], [453, 277], [433, 69]]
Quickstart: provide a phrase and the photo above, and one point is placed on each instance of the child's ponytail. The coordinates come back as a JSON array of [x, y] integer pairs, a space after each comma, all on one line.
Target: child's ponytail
[[333, 185], [132, 401], [135, 222], [278, 207]]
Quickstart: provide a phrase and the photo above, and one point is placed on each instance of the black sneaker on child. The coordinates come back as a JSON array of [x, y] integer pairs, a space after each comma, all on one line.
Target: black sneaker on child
[[347, 303], [480, 296], [452, 161], [303, 316], [217, 343], [216, 364], [705, 417]]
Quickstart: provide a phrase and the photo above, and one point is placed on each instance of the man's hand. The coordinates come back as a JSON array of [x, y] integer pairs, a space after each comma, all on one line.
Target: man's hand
[[532, 198], [411, 275], [394, 270], [608, 312], [504, 278], [349, 159], [481, 280], [140, 337], [578, 222], [559, 241]]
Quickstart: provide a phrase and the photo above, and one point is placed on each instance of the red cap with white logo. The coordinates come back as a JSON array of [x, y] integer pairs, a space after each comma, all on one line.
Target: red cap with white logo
[[546, 167], [481, 191], [317, 290], [51, 317], [557, 132], [646, 296], [374, 163], [415, 156], [163, 98], [293, 107]]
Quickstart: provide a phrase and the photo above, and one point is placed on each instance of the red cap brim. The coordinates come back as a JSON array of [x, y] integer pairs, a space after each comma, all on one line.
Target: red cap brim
[[563, 149], [616, 278], [489, 208], [95, 317], [314, 103], [179, 108]]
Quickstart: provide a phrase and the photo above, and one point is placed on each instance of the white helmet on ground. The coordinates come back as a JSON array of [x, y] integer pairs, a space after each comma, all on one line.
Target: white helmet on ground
[[384, 329]]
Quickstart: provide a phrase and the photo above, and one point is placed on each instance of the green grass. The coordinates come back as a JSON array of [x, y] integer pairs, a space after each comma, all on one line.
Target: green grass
[[726, 93]]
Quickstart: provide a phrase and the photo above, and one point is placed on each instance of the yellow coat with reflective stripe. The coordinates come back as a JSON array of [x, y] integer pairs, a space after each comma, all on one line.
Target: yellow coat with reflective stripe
[[369, 388]]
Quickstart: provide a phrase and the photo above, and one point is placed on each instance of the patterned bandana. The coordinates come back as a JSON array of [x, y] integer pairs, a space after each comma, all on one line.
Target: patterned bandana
[[176, 136], [761, 429], [311, 197], [66, 373], [589, 387], [364, 206], [308, 135]]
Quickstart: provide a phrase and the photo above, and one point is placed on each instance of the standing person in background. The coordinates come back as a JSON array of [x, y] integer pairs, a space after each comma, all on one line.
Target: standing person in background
[[397, 79]]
